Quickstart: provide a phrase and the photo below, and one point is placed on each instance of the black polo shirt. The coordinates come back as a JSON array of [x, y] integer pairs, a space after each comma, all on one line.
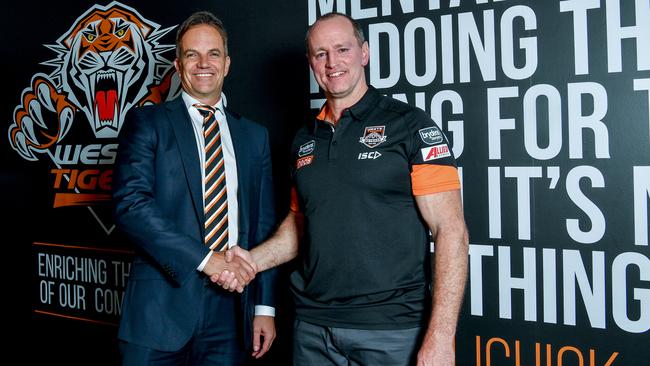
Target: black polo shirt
[[365, 252]]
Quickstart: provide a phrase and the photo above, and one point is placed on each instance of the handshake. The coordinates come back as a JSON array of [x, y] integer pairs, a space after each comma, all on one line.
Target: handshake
[[233, 270]]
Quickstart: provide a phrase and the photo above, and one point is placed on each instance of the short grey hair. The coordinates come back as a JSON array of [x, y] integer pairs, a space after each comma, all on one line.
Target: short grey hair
[[358, 31]]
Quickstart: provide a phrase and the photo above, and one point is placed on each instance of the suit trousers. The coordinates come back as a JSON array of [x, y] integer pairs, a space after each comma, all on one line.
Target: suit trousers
[[321, 345], [217, 338]]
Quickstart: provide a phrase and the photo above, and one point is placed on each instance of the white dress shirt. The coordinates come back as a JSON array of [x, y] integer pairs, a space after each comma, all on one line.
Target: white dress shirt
[[230, 165]]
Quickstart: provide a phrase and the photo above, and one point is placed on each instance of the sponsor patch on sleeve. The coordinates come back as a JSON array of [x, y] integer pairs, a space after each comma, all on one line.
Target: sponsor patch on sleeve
[[435, 152], [304, 161], [431, 135]]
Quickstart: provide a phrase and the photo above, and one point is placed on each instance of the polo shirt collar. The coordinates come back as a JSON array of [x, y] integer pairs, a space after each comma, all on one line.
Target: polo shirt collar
[[366, 104], [359, 111]]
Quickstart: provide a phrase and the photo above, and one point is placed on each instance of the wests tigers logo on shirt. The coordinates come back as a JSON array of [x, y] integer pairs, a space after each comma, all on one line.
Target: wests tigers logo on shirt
[[373, 136]]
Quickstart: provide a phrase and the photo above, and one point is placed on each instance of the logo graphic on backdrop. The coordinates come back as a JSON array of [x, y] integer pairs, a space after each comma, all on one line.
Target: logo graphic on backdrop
[[109, 61]]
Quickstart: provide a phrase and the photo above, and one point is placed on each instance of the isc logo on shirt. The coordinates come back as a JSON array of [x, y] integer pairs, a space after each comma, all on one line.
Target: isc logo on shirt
[[435, 152], [369, 155]]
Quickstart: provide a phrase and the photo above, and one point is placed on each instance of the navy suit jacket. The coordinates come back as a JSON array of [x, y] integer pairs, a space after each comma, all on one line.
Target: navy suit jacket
[[158, 204]]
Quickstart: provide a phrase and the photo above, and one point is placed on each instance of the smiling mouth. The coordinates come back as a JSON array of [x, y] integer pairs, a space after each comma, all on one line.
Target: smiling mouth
[[336, 74], [204, 75]]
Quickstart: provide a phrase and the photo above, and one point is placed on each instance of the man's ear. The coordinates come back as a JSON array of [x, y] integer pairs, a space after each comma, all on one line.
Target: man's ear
[[227, 66], [365, 53]]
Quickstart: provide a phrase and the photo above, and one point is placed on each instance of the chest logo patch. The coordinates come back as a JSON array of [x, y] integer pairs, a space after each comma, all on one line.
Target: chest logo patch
[[307, 148], [435, 152], [304, 161], [373, 136], [431, 135]]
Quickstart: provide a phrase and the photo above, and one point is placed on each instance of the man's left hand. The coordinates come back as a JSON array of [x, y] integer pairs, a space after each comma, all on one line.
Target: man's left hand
[[263, 334]]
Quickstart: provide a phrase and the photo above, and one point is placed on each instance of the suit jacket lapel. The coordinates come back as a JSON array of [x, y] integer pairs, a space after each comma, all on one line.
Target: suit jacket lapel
[[184, 133], [242, 156], [237, 137]]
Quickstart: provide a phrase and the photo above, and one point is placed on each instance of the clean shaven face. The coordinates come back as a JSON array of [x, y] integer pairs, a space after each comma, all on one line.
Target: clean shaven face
[[203, 63], [337, 59]]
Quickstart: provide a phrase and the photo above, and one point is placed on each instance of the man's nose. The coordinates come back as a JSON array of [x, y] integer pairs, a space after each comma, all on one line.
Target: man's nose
[[332, 59], [203, 61]]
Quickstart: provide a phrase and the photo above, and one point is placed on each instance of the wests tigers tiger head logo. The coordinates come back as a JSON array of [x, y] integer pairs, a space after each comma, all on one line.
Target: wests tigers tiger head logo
[[106, 61]]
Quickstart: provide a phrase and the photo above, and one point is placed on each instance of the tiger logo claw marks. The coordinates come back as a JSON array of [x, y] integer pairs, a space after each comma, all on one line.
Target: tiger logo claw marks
[[35, 130], [108, 61]]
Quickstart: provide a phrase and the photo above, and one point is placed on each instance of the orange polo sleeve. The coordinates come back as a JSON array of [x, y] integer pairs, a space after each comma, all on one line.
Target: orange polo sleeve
[[294, 205], [430, 178]]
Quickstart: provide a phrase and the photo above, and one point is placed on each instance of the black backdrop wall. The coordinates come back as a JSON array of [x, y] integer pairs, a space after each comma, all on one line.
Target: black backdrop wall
[[546, 104]]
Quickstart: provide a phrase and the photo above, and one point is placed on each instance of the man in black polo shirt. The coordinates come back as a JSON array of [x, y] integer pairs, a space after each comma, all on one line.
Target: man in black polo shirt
[[372, 176]]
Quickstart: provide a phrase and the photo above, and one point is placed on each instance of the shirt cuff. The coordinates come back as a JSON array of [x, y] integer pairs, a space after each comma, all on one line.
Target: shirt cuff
[[263, 310], [204, 262]]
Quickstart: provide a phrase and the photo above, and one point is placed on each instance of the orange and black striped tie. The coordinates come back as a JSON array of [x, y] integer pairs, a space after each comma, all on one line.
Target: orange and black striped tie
[[215, 198]]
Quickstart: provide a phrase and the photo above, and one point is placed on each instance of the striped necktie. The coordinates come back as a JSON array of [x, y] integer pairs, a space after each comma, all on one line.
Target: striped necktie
[[215, 200]]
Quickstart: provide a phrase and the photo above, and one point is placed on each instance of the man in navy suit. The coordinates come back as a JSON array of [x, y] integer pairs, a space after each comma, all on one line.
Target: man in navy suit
[[172, 314]]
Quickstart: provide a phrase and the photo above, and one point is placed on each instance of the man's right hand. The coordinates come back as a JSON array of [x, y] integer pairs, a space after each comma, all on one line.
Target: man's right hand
[[237, 271], [228, 279]]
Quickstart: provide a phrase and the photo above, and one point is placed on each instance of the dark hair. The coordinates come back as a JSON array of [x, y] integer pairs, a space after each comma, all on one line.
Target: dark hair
[[199, 18], [358, 31]]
